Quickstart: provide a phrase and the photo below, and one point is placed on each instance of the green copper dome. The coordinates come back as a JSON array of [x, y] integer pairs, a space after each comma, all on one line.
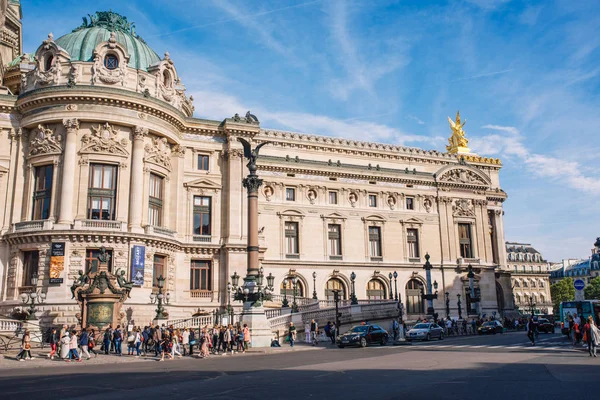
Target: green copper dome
[[80, 43]]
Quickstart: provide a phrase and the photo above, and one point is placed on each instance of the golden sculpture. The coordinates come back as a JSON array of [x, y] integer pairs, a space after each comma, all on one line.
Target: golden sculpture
[[457, 142]]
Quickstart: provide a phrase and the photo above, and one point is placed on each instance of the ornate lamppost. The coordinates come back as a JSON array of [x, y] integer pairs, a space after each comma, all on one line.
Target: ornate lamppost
[[396, 285], [284, 303], [430, 296], [353, 299], [336, 299], [531, 306], [229, 308], [314, 274], [447, 304], [294, 286], [459, 306], [32, 298], [160, 298], [391, 291]]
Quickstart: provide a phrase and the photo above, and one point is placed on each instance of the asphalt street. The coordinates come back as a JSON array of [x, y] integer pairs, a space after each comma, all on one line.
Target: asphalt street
[[490, 367]]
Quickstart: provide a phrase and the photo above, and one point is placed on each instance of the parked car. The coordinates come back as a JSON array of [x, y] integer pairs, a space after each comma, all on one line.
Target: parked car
[[363, 335], [490, 327], [425, 331], [545, 326]]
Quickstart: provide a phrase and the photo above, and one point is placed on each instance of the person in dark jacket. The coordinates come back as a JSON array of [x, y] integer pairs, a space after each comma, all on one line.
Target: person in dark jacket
[[157, 338], [192, 341], [53, 340], [83, 343]]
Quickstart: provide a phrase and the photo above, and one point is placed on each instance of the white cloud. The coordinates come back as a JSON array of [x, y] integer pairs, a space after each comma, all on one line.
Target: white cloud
[[418, 120], [510, 144]]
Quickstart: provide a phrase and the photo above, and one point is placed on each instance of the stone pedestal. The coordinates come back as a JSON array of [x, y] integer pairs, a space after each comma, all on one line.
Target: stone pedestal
[[260, 329], [100, 310]]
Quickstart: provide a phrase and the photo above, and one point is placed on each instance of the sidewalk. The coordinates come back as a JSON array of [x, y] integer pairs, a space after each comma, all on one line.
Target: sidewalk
[[40, 359]]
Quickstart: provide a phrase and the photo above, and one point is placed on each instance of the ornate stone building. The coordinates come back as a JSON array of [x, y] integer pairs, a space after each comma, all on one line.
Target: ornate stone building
[[530, 275], [99, 147]]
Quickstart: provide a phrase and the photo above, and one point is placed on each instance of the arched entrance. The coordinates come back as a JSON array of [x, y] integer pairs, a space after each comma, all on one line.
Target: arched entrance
[[376, 290], [335, 284], [414, 301], [289, 288]]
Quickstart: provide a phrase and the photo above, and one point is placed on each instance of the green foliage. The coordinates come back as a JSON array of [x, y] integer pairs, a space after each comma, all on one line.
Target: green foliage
[[592, 290], [562, 290]]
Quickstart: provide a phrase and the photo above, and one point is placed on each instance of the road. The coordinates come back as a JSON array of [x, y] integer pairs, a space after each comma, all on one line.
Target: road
[[490, 367]]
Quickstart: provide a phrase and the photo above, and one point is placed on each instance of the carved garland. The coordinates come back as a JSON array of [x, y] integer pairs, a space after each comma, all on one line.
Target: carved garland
[[159, 152], [45, 141], [104, 139], [462, 176]]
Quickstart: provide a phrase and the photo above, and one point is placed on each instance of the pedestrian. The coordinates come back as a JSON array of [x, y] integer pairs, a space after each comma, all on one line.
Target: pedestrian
[[118, 340], [53, 341], [84, 342], [314, 331], [157, 338], [307, 332], [25, 353], [146, 335], [112, 338], [332, 332], [165, 345], [92, 342], [531, 326], [232, 344], [131, 342], [73, 346], [240, 339], [106, 340], [292, 334], [175, 344], [591, 336], [185, 341], [205, 343], [327, 329], [576, 331], [192, 339], [246, 337], [65, 352], [215, 339]]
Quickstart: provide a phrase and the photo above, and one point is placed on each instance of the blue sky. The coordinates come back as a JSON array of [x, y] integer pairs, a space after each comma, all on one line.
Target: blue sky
[[525, 75]]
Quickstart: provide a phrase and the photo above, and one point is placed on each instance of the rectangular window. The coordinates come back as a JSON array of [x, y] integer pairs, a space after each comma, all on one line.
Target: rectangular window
[[464, 240], [200, 275], [102, 192], [202, 162], [291, 239], [412, 236], [333, 198], [202, 211], [410, 203], [42, 192], [375, 241], [158, 269], [290, 194], [335, 240], [30, 266], [156, 196], [91, 260], [372, 200]]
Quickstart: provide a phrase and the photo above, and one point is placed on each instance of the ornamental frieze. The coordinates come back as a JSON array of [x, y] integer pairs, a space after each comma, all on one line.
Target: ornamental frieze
[[462, 176], [159, 152], [463, 208], [104, 139], [44, 141]]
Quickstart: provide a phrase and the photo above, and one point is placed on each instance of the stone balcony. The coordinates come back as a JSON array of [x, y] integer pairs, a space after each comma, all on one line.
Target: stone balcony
[[30, 226], [103, 225], [158, 230]]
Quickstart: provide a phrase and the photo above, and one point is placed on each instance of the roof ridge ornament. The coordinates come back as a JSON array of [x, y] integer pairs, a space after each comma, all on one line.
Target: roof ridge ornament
[[109, 20]]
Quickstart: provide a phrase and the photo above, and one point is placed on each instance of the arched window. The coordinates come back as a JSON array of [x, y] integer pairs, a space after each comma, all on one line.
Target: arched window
[[533, 284], [49, 62], [541, 284], [167, 80], [111, 61], [334, 284], [518, 298], [542, 298], [517, 284], [414, 301], [525, 284], [376, 290], [289, 288]]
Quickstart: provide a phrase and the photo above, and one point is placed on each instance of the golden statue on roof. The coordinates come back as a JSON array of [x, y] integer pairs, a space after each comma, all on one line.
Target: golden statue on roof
[[457, 142]]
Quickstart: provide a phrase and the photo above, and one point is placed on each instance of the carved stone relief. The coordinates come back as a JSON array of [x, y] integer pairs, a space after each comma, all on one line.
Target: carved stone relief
[[104, 139], [463, 208], [44, 141], [353, 198], [159, 152], [462, 176]]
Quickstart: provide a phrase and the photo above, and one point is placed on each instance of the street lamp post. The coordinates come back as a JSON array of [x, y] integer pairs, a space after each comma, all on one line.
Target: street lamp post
[[353, 299], [284, 303], [294, 286], [473, 299], [531, 306], [459, 306], [430, 296], [391, 291], [447, 304], [33, 298], [160, 298], [336, 299], [314, 285], [396, 285]]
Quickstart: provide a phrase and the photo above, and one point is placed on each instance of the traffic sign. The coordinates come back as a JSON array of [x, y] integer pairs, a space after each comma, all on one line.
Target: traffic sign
[[579, 284]]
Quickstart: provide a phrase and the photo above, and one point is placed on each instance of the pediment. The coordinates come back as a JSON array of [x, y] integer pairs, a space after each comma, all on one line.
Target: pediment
[[202, 184], [333, 215], [375, 217], [291, 213], [462, 174], [412, 220]]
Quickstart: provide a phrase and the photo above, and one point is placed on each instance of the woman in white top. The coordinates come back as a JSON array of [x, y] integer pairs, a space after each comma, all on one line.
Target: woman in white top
[[175, 347], [65, 341], [137, 342], [185, 342]]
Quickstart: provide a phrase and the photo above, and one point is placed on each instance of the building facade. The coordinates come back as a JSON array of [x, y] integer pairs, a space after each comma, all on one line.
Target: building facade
[[99, 147], [530, 276], [585, 270]]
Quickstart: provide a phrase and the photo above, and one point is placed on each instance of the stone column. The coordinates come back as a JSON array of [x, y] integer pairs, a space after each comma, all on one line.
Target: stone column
[[252, 183], [136, 192], [65, 214]]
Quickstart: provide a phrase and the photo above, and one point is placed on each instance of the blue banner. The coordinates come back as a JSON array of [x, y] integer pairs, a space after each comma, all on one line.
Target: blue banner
[[138, 257]]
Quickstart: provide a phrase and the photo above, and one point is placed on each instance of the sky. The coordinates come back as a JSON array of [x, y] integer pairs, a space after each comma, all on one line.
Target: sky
[[524, 74]]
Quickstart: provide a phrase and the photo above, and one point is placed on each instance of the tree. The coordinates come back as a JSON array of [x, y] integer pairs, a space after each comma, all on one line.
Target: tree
[[562, 290], [592, 290]]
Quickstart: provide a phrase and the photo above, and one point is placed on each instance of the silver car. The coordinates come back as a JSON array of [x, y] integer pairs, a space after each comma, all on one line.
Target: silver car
[[425, 331]]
